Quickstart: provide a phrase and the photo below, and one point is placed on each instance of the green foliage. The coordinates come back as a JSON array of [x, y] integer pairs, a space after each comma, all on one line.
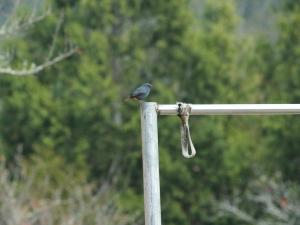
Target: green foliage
[[46, 190], [74, 114]]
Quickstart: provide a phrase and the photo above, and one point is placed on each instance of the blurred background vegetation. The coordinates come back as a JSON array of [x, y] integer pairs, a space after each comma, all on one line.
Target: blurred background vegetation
[[70, 147]]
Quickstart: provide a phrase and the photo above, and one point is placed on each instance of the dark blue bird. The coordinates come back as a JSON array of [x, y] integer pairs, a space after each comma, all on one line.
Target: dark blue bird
[[141, 93]]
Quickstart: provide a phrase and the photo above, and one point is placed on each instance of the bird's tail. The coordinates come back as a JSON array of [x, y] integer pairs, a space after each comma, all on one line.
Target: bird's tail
[[130, 98], [126, 99]]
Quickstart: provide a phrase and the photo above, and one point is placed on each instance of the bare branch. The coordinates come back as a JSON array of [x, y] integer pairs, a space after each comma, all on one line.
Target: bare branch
[[57, 29], [22, 202], [39, 68], [278, 203], [271, 208], [226, 206], [13, 24], [246, 217]]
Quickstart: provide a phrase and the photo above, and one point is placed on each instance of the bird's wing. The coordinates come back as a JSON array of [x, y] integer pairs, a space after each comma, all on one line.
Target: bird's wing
[[139, 90]]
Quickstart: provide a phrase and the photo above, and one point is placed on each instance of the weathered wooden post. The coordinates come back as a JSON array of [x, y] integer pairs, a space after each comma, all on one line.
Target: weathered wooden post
[[150, 163]]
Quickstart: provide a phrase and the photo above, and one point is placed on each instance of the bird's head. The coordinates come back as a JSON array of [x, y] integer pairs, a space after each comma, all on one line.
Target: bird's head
[[148, 85]]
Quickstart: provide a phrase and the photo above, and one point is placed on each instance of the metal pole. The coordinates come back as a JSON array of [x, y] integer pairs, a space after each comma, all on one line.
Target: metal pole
[[233, 109], [150, 163]]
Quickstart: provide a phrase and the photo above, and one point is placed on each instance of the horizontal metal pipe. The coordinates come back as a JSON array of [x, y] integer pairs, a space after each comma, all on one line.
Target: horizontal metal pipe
[[233, 109]]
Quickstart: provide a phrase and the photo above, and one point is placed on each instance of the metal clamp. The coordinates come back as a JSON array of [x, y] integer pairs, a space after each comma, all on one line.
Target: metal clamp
[[184, 111]]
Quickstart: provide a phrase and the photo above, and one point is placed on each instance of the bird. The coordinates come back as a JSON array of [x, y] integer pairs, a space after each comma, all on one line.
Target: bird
[[140, 93]]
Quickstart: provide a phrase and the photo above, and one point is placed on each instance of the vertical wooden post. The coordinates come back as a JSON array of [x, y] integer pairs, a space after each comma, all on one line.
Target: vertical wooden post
[[150, 163]]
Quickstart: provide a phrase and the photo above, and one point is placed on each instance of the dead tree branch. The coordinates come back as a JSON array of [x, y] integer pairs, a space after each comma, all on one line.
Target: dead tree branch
[[14, 25], [36, 69], [274, 204]]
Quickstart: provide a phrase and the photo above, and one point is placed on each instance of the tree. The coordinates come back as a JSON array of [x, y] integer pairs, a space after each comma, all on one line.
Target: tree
[[55, 193], [15, 24], [190, 56], [265, 202], [281, 82]]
